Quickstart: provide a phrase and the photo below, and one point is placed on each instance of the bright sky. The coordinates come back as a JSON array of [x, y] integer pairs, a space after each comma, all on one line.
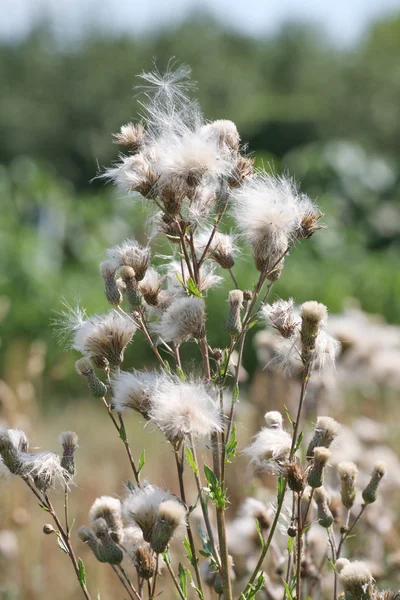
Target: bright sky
[[345, 20]]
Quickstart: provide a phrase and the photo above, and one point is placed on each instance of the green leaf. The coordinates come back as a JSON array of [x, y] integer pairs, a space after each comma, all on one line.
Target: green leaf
[[235, 394], [179, 278], [207, 548], [214, 489], [254, 589], [281, 488], [131, 486], [332, 564], [182, 578], [181, 374], [298, 443], [230, 449], [288, 593], [167, 367], [122, 433], [167, 557], [260, 535], [61, 543], [81, 573], [141, 461], [191, 461], [188, 549], [252, 324], [192, 288], [288, 415], [290, 544], [44, 507]]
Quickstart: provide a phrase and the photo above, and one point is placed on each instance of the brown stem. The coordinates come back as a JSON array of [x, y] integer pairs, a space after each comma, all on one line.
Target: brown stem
[[128, 450], [299, 548], [122, 582], [304, 384], [179, 467], [343, 538], [176, 582], [130, 584], [223, 546], [153, 590]]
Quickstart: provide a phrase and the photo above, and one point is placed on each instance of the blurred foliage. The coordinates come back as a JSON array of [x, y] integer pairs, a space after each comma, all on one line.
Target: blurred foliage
[[330, 116]]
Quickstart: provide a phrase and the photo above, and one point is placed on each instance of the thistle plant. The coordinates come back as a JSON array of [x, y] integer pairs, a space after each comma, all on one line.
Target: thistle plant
[[194, 176]]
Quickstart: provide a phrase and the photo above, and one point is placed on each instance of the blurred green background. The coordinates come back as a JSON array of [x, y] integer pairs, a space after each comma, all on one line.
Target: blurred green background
[[327, 113]]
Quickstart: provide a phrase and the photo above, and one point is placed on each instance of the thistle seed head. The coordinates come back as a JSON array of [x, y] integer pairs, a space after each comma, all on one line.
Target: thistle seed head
[[348, 473], [369, 494]]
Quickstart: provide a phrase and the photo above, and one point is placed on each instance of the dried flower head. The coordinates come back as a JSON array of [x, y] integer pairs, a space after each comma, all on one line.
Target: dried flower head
[[369, 494], [184, 409], [320, 460], [107, 550], [131, 254], [135, 173], [182, 320], [325, 518], [109, 509], [69, 443], [131, 135], [270, 451], [171, 517], [45, 469], [13, 442], [356, 579], [234, 322], [134, 391], [150, 286], [326, 430], [225, 132], [348, 473], [145, 561], [141, 507], [273, 419], [281, 316], [269, 211], [221, 249], [103, 338], [112, 292]]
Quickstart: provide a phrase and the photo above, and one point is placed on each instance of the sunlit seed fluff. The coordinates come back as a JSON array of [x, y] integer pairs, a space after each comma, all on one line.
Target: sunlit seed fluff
[[268, 211], [281, 316], [172, 193], [112, 292], [171, 517], [184, 408], [13, 442], [141, 507], [150, 286], [134, 391], [315, 474], [356, 579], [270, 450], [182, 320], [221, 249], [225, 132], [131, 254], [135, 174], [96, 387], [348, 473], [131, 135], [313, 315], [255, 509], [45, 469], [326, 430], [107, 550], [104, 338], [324, 515], [109, 509], [273, 419], [69, 443], [234, 322], [202, 202], [369, 494], [207, 277]]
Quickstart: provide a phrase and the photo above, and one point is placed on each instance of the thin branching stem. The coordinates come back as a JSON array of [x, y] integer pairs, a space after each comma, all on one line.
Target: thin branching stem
[[122, 582], [175, 580]]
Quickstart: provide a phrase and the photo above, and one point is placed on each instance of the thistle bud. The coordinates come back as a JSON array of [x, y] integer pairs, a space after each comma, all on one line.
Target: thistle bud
[[324, 515], [132, 292], [312, 314], [107, 550], [348, 472], [370, 492], [113, 295], [48, 529], [295, 477], [275, 272], [171, 515], [87, 537], [315, 475], [273, 419], [69, 443], [96, 387], [243, 168], [145, 561], [173, 194], [326, 430], [234, 323]]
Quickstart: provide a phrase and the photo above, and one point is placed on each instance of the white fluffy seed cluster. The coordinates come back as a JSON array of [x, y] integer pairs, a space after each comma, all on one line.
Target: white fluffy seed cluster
[[270, 448], [301, 335]]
